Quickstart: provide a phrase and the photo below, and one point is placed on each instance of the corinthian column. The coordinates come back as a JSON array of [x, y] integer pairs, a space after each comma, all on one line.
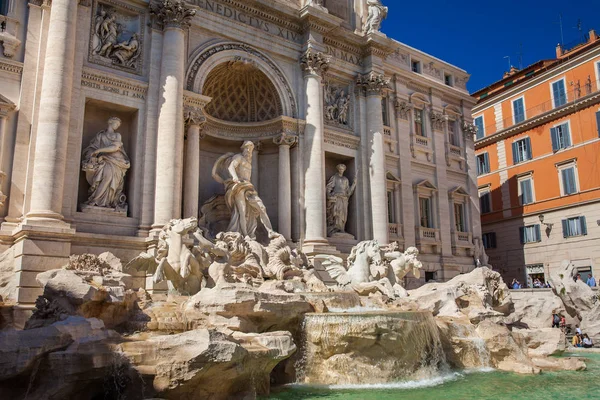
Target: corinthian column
[[284, 215], [314, 66], [174, 16], [50, 154], [374, 86], [191, 182]]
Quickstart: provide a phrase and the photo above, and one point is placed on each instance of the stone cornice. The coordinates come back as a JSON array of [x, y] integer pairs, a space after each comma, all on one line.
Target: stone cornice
[[172, 13], [252, 131], [195, 100], [13, 67], [105, 79], [48, 3], [342, 44], [546, 117], [345, 140], [378, 44], [314, 63], [314, 18]]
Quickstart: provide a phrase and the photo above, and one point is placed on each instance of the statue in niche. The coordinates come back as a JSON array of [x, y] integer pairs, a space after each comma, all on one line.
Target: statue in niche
[[337, 105], [110, 41], [247, 209], [339, 192], [377, 13], [105, 164]]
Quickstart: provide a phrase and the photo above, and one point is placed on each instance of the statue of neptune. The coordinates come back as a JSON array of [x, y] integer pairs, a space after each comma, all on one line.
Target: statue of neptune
[[235, 171], [105, 164]]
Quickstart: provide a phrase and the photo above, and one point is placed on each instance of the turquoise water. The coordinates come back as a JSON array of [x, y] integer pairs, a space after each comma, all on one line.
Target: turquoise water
[[465, 386]]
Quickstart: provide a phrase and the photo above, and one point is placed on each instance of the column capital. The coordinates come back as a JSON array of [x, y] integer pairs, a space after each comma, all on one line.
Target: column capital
[[314, 63], [285, 139], [373, 84], [193, 116], [172, 13]]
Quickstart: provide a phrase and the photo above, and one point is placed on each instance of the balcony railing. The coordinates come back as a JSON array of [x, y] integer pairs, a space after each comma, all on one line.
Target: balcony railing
[[387, 131], [422, 141], [455, 150], [428, 234], [578, 90], [395, 230], [463, 237]]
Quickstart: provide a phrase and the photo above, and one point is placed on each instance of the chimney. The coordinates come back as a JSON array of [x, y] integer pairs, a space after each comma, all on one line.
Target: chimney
[[559, 51], [593, 36]]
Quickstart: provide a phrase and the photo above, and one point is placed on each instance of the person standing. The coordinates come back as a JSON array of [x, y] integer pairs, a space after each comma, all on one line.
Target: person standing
[[555, 320], [591, 282]]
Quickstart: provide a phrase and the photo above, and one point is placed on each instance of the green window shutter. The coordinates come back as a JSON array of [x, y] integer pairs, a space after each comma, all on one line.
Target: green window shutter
[[583, 225], [598, 121], [515, 149], [538, 233], [554, 136], [529, 150], [522, 234], [565, 226]]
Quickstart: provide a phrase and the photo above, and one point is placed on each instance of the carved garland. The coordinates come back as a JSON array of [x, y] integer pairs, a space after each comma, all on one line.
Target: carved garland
[[202, 58]]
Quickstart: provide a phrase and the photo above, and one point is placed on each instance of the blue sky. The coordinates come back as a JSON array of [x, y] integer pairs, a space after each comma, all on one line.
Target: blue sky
[[477, 35]]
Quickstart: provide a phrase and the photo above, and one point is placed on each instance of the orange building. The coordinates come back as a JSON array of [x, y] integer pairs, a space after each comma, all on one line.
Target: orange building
[[538, 163]]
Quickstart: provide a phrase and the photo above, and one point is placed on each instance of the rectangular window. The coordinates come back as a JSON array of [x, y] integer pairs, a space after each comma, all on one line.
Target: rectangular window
[[419, 128], [521, 150], [384, 111], [459, 217], [489, 240], [416, 66], [425, 210], [561, 137], [390, 204], [519, 110], [568, 179], [3, 7], [526, 191], [574, 227], [480, 129], [452, 135], [559, 93], [598, 116], [485, 202], [483, 164], [448, 79], [530, 234]]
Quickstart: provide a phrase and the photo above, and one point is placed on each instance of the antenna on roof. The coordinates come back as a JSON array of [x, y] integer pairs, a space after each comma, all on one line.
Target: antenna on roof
[[579, 27], [562, 39], [521, 55]]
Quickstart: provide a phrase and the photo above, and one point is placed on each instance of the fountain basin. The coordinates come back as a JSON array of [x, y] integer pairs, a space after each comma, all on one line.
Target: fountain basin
[[369, 347]]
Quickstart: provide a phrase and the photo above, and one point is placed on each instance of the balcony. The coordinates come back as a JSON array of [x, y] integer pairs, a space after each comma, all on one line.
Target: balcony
[[422, 141], [387, 131], [455, 151], [462, 243], [9, 28], [428, 234], [395, 230]]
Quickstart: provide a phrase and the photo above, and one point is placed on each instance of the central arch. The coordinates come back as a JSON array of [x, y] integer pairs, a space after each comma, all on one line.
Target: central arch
[[214, 57]]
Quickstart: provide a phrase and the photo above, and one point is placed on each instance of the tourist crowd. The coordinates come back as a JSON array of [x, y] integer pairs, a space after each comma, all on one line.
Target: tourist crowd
[[580, 339]]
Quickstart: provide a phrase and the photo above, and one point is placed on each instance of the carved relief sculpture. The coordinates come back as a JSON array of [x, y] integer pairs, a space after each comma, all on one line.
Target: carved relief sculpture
[[437, 120], [337, 105], [105, 164], [377, 13], [247, 209], [116, 38], [339, 192]]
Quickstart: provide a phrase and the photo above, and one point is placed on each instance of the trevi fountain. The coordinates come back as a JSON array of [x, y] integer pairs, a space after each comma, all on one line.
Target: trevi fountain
[[252, 199]]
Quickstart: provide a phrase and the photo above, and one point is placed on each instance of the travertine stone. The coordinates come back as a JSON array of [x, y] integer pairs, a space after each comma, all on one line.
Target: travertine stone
[[285, 141], [377, 13], [339, 192], [191, 183], [314, 65], [53, 126]]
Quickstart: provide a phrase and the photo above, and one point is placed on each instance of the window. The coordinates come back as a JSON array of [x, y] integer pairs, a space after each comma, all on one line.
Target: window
[[574, 227], [559, 93], [598, 118], [480, 129], [568, 179], [425, 212], [489, 240], [530, 234], [526, 190], [519, 110], [429, 276], [459, 217], [452, 136], [448, 79], [485, 201], [384, 111], [3, 7], [419, 128], [561, 136], [391, 208], [416, 66], [521, 150], [483, 164]]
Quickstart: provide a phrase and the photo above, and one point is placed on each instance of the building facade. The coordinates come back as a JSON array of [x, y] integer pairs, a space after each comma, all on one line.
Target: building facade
[[538, 153], [172, 86]]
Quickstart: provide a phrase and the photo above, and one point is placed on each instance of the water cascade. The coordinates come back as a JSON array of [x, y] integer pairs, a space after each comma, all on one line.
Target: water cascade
[[369, 348]]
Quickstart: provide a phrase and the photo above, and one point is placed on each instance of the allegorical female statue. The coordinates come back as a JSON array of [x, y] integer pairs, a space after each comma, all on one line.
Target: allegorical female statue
[[377, 13], [247, 209], [105, 164], [339, 192]]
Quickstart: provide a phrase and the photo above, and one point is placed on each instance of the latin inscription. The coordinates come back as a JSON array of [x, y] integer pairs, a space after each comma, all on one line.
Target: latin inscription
[[244, 18], [344, 56], [114, 90]]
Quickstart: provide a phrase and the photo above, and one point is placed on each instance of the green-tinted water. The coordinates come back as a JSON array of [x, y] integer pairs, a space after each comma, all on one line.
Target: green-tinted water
[[465, 386]]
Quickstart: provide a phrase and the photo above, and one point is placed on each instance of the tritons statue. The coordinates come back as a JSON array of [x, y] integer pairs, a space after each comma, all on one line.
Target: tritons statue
[[241, 197]]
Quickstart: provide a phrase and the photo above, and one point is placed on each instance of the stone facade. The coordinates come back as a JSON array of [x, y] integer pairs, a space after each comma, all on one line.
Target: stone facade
[[192, 80]]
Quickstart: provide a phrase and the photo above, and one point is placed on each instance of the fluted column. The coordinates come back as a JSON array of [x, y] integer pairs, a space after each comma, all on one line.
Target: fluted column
[[50, 154], [173, 16], [374, 86], [191, 182], [314, 65], [285, 141]]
